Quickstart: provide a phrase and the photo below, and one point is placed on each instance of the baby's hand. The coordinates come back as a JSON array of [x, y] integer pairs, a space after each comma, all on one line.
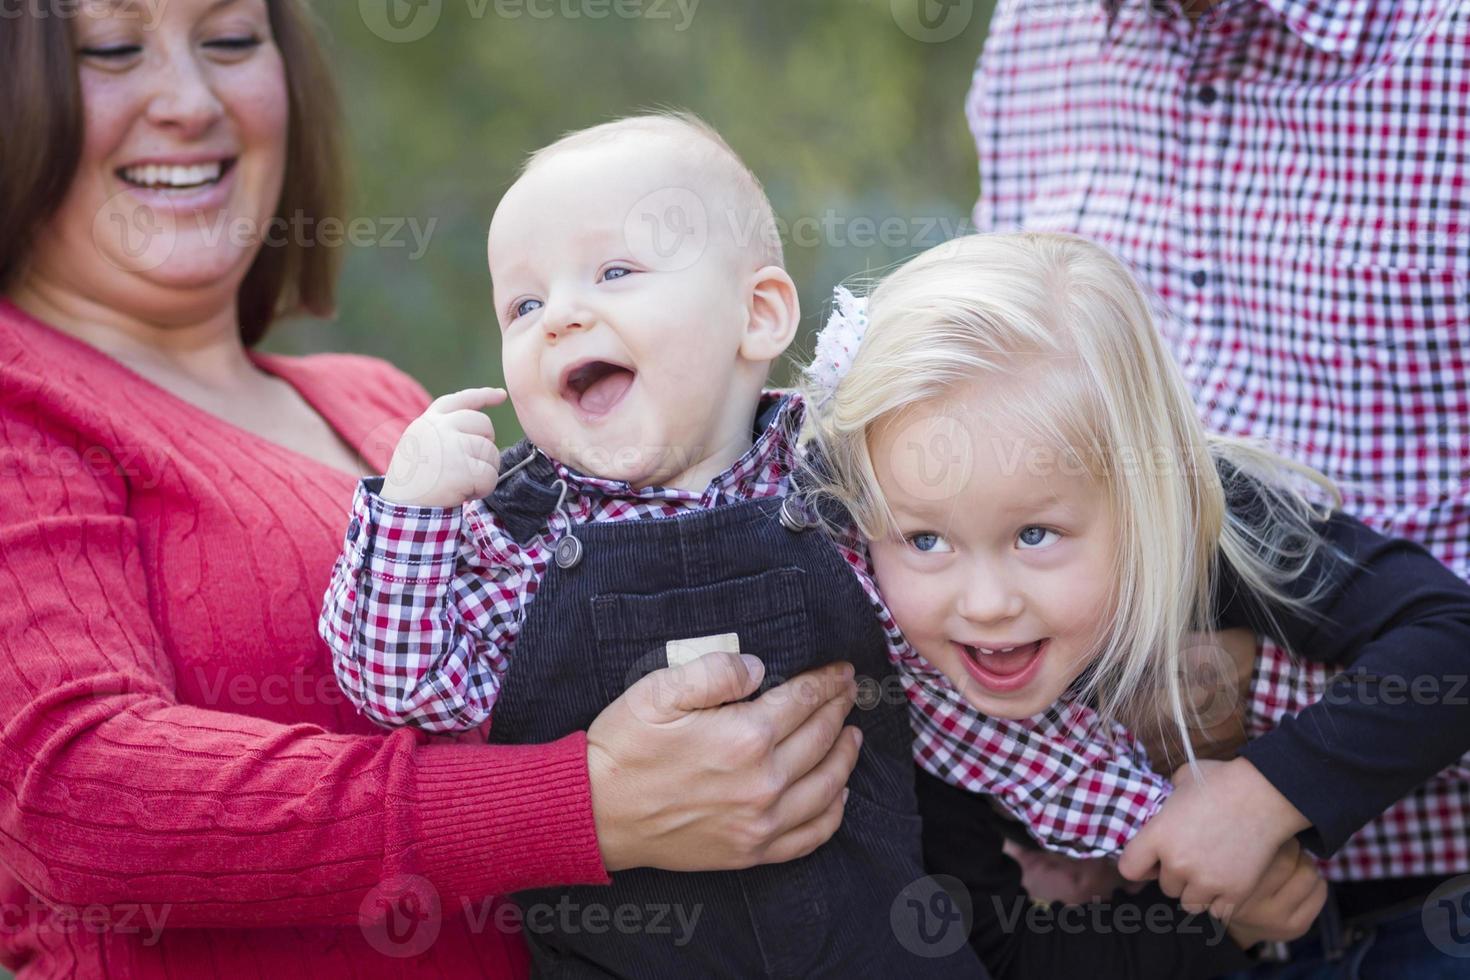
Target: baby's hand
[[1285, 904], [1215, 837], [447, 455]]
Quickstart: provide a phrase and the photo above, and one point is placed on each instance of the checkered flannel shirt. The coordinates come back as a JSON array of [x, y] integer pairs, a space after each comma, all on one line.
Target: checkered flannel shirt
[[1291, 178], [425, 605]]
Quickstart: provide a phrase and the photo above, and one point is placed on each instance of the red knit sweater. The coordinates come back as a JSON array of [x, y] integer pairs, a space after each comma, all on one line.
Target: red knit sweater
[[174, 748]]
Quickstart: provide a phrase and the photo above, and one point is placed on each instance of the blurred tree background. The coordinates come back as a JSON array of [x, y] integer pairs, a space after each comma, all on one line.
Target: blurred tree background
[[850, 111]]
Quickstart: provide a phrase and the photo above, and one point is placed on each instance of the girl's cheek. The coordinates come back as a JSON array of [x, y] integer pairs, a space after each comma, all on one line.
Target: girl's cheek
[[903, 589]]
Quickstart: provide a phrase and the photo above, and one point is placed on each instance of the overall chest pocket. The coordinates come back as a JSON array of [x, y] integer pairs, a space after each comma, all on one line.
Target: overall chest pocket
[[766, 611]]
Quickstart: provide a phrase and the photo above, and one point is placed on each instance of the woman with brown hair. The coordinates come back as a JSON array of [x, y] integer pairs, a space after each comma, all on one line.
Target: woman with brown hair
[[185, 791]]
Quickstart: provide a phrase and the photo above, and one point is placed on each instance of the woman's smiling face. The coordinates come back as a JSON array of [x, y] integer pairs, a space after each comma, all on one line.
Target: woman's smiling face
[[1002, 574], [186, 118]]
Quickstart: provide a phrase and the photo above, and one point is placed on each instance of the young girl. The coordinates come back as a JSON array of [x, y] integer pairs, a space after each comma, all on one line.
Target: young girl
[[1049, 524]]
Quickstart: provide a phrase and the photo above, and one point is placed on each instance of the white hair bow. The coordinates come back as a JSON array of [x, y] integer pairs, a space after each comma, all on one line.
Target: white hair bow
[[838, 341]]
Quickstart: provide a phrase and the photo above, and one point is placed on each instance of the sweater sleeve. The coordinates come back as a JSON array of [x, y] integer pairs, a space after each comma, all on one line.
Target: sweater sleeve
[[1398, 622], [1144, 935], [115, 793]]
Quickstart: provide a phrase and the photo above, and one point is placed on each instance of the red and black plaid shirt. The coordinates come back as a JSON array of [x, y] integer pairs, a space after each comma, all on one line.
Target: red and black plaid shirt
[[1292, 180]]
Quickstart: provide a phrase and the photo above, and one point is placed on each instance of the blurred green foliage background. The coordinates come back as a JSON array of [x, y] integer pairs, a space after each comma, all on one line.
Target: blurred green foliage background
[[850, 111]]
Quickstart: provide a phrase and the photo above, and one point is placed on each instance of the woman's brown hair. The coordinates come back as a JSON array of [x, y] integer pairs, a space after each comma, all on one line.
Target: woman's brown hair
[[41, 117]]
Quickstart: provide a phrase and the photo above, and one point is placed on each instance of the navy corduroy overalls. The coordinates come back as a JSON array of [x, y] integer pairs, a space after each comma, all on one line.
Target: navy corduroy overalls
[[601, 624]]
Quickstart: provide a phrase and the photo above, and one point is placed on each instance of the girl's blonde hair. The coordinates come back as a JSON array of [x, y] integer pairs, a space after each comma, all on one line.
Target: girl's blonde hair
[[982, 308]]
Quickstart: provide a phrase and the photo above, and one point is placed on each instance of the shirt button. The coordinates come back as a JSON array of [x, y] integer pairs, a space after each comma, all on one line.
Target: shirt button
[[1199, 278], [1207, 95], [353, 528]]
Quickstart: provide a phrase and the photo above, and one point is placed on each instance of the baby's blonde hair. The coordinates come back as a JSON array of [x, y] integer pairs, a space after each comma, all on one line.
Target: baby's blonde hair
[[985, 307], [739, 206]]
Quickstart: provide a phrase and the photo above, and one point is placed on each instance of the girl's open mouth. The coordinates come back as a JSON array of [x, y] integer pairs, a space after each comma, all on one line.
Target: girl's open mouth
[[1004, 669]]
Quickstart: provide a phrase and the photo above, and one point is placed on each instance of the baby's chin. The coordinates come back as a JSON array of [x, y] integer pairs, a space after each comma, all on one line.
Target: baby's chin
[[606, 461]]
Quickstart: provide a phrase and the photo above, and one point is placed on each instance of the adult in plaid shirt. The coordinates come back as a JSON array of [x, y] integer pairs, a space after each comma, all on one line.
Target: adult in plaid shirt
[[1289, 176]]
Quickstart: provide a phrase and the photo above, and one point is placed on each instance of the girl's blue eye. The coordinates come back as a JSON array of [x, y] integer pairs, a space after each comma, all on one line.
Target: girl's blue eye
[[616, 272], [928, 543], [1034, 537], [528, 306]]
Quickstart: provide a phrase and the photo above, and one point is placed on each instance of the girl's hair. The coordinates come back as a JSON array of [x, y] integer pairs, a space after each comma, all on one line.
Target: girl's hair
[[980, 309]]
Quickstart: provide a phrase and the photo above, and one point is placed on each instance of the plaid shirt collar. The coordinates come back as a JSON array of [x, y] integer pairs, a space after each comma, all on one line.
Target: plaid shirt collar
[[1331, 26], [778, 420]]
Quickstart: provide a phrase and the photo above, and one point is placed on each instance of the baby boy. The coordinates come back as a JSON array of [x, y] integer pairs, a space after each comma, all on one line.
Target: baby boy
[[647, 519]]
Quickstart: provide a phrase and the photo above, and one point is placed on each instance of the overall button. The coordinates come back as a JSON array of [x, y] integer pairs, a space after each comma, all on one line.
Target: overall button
[[794, 516], [568, 552]]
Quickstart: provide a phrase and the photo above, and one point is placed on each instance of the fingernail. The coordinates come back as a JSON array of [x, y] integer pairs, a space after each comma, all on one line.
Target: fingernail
[[845, 794], [857, 735]]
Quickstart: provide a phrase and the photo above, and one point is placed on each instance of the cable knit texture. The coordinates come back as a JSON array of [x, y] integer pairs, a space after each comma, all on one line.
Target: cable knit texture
[[175, 750]]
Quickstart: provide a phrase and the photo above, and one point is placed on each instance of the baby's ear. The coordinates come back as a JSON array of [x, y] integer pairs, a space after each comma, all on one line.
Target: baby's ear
[[775, 315]]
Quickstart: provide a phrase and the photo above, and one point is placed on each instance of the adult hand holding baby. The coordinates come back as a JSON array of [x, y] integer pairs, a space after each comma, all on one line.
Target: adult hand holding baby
[[681, 783], [447, 456]]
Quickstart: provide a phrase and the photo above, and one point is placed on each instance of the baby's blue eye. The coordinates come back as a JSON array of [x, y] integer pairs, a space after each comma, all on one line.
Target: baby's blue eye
[[928, 542], [616, 272], [528, 306], [1033, 537]]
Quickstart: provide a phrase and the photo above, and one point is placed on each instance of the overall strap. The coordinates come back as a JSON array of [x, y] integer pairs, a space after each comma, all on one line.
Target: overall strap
[[807, 474], [526, 494]]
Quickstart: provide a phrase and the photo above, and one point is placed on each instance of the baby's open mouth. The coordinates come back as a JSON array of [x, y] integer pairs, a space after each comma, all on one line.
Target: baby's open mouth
[[596, 387]]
